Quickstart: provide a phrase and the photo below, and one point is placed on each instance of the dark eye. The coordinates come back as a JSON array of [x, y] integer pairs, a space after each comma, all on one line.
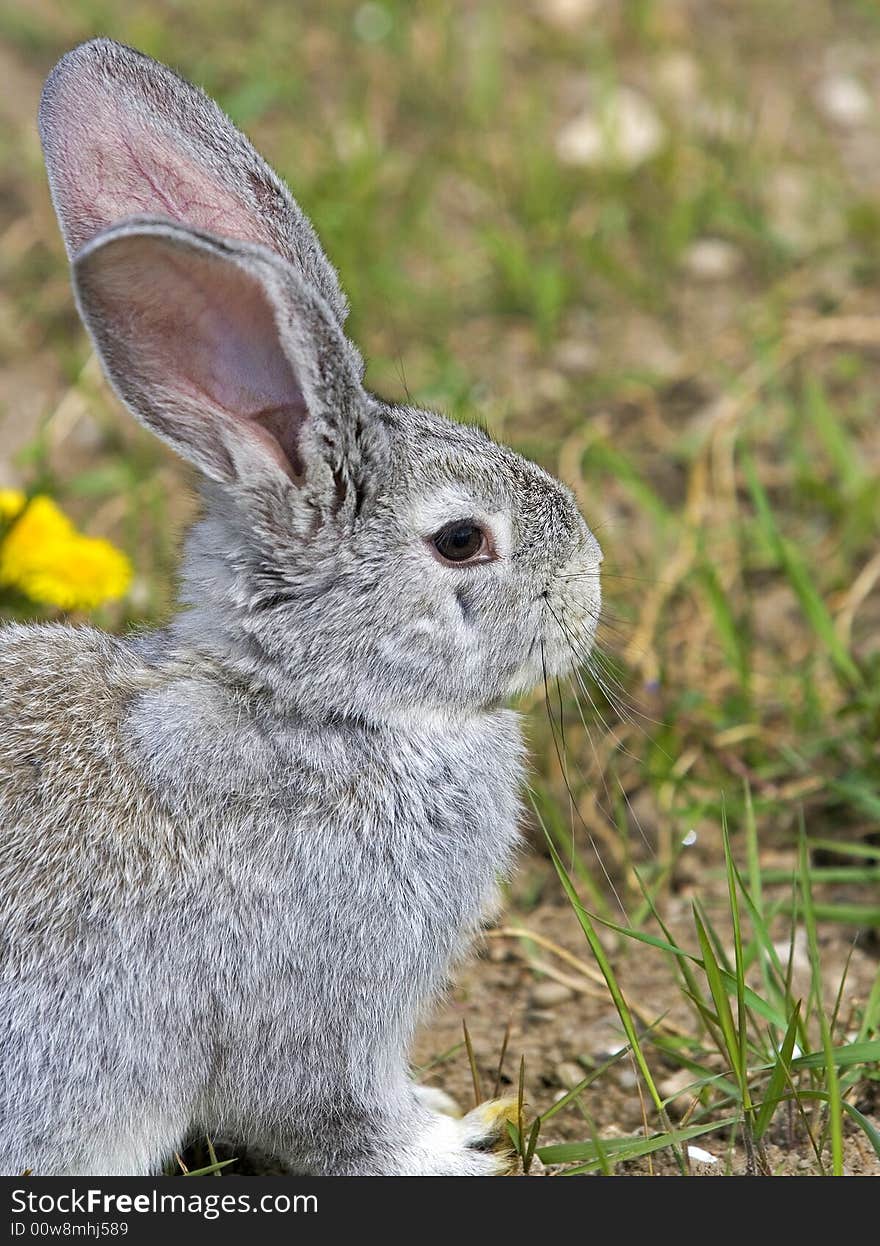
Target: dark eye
[[461, 541]]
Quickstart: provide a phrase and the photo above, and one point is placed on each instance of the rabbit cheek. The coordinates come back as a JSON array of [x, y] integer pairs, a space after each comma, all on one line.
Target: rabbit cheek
[[465, 607]]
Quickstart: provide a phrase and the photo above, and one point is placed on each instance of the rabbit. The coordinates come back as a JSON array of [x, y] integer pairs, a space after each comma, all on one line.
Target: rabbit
[[241, 855]]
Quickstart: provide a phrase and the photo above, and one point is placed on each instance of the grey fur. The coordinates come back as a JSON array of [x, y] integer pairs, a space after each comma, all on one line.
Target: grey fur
[[240, 856]]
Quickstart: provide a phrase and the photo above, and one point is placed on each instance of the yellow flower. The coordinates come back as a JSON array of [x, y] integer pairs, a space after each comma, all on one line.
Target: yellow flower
[[11, 502], [44, 557]]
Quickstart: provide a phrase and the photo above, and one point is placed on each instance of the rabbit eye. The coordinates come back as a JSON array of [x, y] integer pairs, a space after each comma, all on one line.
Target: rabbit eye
[[462, 541]]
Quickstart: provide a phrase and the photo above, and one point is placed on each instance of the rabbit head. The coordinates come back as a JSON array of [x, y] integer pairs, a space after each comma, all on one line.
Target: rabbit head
[[355, 557]]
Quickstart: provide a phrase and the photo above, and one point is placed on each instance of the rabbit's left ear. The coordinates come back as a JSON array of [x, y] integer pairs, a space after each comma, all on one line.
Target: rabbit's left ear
[[229, 356], [124, 136]]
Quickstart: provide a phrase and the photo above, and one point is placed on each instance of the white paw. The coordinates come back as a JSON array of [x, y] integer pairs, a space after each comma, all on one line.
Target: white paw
[[478, 1144], [437, 1100]]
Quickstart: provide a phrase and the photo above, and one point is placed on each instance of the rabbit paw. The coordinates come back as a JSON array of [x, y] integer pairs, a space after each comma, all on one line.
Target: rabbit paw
[[485, 1128], [476, 1145], [437, 1100]]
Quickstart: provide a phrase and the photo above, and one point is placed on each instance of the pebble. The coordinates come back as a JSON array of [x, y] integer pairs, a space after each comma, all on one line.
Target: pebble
[[627, 1078], [86, 434], [567, 14], [678, 75], [712, 259], [568, 1074], [549, 386], [548, 994], [576, 355], [843, 100], [700, 1156], [643, 343], [673, 1089], [373, 22], [799, 213], [140, 593], [621, 132], [703, 1163], [720, 120]]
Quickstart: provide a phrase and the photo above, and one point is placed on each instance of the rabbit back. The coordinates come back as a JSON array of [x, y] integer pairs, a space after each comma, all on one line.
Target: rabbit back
[[81, 851]]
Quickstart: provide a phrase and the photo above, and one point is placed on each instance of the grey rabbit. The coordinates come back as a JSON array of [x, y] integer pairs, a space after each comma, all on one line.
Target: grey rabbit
[[240, 855]]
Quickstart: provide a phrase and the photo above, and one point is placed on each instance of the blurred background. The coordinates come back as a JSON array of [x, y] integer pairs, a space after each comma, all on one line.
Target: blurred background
[[640, 240]]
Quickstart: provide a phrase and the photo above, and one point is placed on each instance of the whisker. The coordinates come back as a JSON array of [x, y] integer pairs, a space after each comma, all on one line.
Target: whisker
[[606, 677], [635, 818], [608, 730], [577, 653], [591, 657], [612, 575], [575, 808]]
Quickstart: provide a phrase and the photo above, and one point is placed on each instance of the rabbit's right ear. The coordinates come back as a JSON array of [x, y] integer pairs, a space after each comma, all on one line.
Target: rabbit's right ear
[[228, 355], [124, 136]]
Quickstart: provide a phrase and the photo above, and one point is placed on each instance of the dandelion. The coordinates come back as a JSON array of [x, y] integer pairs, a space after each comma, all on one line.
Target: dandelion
[[12, 503], [43, 556]]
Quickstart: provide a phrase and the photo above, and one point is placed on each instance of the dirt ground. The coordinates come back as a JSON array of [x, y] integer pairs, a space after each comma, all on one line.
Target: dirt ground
[[565, 1025]]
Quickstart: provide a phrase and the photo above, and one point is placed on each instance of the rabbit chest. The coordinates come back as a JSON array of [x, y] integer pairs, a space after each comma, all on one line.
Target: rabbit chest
[[336, 862]]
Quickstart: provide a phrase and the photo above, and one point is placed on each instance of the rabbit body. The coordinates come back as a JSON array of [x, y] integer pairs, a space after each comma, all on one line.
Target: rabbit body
[[258, 930], [240, 855]]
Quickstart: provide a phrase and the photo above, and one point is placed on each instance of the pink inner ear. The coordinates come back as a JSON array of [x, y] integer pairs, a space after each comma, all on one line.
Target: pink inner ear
[[111, 155], [191, 325]]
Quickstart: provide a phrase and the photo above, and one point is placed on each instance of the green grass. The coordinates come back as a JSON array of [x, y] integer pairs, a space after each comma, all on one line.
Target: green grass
[[756, 1033], [721, 436]]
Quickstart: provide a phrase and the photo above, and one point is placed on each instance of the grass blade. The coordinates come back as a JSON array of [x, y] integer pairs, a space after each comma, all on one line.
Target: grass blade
[[620, 1149], [779, 1077], [719, 997], [611, 981], [472, 1061], [835, 1116], [799, 577]]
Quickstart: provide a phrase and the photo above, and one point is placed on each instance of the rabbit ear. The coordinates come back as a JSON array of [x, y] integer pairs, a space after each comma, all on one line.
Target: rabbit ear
[[124, 136], [223, 351]]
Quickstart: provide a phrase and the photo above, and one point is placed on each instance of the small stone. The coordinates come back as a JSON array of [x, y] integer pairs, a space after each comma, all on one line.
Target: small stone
[[567, 14], [843, 100], [140, 593], [373, 23], [643, 344], [801, 212], [576, 355], [627, 1078], [549, 386], [703, 1163], [548, 994], [86, 433], [720, 120], [678, 75], [569, 1074], [673, 1089], [797, 949], [712, 259], [622, 131]]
